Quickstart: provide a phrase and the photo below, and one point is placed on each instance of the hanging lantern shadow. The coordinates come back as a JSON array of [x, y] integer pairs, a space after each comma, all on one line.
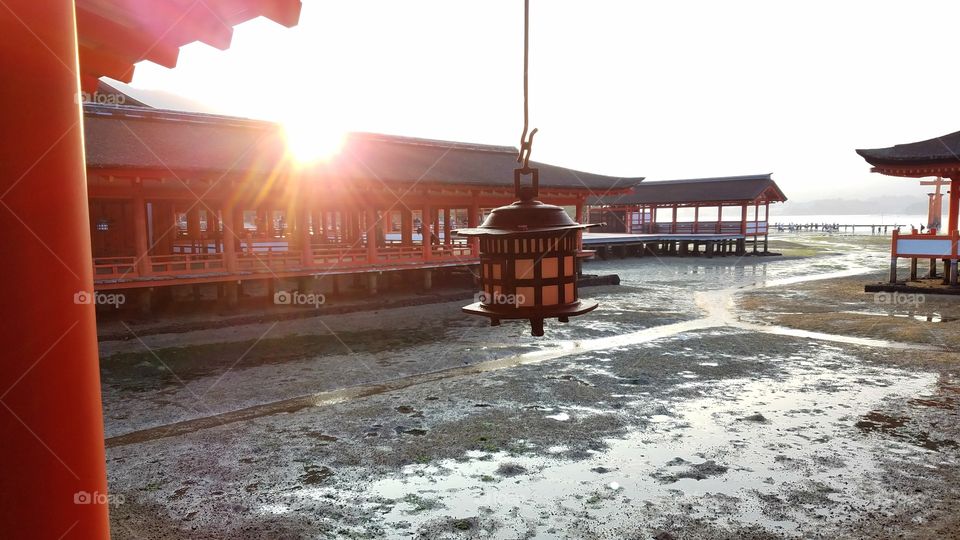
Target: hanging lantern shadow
[[528, 261]]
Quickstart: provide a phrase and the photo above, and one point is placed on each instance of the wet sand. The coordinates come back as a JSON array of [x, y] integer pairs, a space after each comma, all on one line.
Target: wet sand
[[717, 398]]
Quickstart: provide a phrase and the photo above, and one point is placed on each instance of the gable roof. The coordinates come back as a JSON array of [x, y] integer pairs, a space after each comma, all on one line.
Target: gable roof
[[719, 189], [152, 139]]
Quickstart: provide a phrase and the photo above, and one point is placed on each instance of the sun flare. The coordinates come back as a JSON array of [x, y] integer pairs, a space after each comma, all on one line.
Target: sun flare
[[311, 141]]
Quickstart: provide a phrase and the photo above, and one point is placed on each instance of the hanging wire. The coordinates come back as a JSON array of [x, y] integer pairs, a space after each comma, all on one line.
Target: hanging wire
[[526, 143]]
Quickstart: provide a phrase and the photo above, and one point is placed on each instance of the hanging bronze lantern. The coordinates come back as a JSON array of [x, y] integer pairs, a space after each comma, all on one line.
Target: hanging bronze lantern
[[528, 250], [528, 261]]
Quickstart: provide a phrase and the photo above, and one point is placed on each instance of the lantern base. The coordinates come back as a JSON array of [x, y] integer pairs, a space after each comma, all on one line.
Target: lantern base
[[536, 316]]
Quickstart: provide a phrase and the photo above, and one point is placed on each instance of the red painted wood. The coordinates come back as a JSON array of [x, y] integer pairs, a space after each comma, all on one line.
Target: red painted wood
[[954, 205], [50, 410]]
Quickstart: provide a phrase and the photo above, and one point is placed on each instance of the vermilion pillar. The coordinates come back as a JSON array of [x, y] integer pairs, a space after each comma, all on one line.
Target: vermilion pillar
[[53, 475], [370, 225], [302, 217], [140, 240], [426, 220], [954, 204]]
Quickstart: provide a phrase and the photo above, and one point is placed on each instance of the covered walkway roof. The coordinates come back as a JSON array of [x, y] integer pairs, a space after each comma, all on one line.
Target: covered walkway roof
[[721, 190], [138, 138]]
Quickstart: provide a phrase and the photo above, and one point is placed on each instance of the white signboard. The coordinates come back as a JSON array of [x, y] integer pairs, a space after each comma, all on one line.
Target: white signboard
[[938, 247]]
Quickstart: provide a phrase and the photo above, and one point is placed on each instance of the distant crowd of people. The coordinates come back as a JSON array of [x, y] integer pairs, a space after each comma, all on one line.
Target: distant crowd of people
[[835, 227], [825, 227]]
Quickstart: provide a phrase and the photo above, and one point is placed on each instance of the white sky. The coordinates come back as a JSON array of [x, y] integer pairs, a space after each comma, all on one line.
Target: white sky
[[659, 89]]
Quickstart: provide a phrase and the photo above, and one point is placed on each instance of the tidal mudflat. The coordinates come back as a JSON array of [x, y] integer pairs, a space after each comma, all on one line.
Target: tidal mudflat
[[721, 398]]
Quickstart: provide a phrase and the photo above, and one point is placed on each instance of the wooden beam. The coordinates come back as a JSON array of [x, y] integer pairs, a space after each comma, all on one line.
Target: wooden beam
[[124, 42], [97, 63]]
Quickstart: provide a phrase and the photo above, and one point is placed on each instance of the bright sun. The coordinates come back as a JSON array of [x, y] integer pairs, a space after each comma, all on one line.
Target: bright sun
[[311, 141]]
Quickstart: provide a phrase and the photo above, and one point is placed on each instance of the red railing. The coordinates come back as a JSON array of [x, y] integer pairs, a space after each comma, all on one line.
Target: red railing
[[266, 259], [339, 255], [186, 264], [400, 253], [458, 251], [707, 227], [114, 267], [269, 259]]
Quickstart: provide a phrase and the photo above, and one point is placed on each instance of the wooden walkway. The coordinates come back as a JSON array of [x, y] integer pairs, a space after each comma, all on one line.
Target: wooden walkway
[[682, 244]]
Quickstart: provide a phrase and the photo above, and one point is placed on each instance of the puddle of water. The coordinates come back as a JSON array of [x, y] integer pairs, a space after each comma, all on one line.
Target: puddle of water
[[748, 442], [929, 317]]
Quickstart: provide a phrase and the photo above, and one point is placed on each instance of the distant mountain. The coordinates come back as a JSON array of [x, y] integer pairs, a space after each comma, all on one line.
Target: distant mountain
[[839, 207]]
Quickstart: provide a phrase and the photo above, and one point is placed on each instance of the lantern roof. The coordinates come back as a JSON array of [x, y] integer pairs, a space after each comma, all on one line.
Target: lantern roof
[[524, 217]]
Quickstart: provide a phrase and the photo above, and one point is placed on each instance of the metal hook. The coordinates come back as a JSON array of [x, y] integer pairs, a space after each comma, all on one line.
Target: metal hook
[[526, 146]]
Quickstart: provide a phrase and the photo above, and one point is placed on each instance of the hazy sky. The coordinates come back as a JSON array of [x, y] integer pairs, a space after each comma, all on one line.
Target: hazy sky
[[635, 88]]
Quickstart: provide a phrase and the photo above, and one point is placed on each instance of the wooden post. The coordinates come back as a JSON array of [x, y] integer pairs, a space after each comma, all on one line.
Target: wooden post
[[193, 228], [932, 271], [696, 219], [262, 222], [954, 205], [473, 220], [913, 268], [426, 219], [953, 273], [140, 240], [303, 235], [355, 230], [893, 269], [446, 226], [406, 227], [370, 226], [766, 219], [230, 235], [719, 218], [673, 224], [50, 413]]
